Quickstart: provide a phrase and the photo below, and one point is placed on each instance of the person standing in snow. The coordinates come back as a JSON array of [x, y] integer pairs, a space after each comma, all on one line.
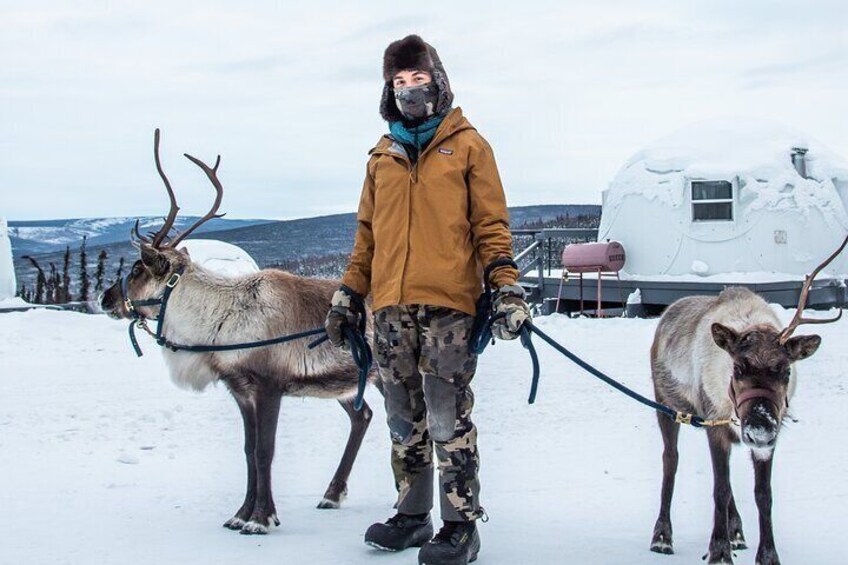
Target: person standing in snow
[[431, 215]]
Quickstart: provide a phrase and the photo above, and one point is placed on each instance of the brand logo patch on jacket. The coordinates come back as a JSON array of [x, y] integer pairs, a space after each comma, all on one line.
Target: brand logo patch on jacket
[[444, 151]]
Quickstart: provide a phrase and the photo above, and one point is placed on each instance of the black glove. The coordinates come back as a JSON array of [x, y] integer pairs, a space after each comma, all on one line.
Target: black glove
[[511, 312], [346, 308]]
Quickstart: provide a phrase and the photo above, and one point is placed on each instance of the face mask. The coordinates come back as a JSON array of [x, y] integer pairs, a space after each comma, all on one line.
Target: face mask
[[417, 102]]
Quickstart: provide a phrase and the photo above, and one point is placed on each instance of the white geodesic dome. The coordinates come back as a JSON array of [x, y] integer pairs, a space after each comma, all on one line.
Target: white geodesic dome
[[726, 197], [220, 257]]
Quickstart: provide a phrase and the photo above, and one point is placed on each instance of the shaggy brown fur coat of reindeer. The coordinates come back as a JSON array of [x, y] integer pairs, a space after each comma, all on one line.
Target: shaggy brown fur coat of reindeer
[[209, 309], [719, 357]]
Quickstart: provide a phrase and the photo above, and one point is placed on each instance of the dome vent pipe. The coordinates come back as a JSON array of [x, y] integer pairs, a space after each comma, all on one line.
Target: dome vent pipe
[[799, 160]]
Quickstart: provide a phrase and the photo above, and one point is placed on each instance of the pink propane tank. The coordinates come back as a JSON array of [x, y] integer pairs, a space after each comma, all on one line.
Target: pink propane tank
[[607, 256]]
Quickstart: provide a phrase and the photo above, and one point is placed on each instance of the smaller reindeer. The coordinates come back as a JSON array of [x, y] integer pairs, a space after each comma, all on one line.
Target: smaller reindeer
[[208, 309], [721, 357]]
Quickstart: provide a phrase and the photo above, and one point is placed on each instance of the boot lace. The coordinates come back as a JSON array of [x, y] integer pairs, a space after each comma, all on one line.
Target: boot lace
[[401, 520], [452, 533]]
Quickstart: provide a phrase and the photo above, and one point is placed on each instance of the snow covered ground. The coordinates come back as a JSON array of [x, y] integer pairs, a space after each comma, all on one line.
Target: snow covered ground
[[103, 460]]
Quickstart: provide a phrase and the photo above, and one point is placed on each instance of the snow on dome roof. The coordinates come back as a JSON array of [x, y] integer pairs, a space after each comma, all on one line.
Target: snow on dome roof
[[220, 257], [732, 146], [759, 152]]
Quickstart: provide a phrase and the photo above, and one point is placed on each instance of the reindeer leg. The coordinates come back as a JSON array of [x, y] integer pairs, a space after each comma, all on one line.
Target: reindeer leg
[[264, 512], [662, 542], [720, 548], [766, 553], [248, 414], [359, 422]]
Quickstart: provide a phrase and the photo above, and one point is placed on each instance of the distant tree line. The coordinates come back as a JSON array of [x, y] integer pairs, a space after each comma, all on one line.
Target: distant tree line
[[323, 267], [333, 266], [585, 221], [74, 281], [56, 286]]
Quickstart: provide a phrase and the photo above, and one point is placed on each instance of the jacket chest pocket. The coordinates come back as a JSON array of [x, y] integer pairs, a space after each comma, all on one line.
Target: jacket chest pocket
[[391, 183], [442, 184], [444, 168]]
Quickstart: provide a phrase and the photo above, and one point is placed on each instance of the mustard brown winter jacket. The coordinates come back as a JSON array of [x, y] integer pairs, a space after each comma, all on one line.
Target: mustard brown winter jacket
[[426, 231]]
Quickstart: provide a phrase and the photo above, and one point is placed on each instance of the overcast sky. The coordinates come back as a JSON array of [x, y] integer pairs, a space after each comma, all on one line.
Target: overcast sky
[[288, 92]]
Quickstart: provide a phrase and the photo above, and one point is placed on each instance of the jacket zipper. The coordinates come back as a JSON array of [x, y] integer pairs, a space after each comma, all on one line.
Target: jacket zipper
[[412, 179]]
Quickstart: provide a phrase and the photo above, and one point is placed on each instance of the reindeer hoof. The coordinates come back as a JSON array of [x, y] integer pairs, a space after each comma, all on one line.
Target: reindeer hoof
[[254, 529], [327, 504], [333, 497], [663, 547], [662, 541], [738, 542], [259, 526], [234, 523]]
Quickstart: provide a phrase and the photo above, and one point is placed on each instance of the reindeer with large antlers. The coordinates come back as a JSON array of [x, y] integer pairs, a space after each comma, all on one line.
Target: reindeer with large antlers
[[726, 358], [205, 308]]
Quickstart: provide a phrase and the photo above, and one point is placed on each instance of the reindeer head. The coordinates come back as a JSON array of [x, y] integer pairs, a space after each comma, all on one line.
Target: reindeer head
[[762, 365], [159, 256], [147, 279], [759, 387]]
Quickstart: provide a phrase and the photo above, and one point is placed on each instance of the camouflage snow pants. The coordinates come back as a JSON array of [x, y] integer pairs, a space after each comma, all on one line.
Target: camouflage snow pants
[[426, 370]]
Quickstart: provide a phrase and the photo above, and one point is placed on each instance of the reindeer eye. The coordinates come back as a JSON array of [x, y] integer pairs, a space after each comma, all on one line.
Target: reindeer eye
[[737, 372]]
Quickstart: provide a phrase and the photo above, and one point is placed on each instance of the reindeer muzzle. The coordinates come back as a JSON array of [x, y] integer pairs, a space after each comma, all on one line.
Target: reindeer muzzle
[[757, 393]]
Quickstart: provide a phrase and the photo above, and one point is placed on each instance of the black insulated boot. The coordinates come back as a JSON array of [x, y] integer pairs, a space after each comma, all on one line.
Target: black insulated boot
[[457, 543], [400, 532]]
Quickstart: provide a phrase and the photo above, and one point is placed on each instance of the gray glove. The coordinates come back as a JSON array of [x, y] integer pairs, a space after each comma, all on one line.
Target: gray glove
[[344, 310], [511, 312]]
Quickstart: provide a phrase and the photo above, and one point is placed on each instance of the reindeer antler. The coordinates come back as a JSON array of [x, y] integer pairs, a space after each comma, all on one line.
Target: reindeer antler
[[799, 318], [162, 236], [163, 232], [212, 174], [136, 236]]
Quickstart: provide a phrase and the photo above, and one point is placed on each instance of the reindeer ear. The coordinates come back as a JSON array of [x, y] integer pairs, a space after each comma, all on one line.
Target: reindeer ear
[[184, 251], [154, 260], [802, 346], [724, 337]]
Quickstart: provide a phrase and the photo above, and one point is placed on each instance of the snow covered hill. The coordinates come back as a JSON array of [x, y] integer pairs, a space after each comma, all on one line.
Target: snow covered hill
[[104, 461], [41, 236]]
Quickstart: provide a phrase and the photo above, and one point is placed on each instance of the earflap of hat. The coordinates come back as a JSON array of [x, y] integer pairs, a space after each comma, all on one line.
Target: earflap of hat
[[445, 93], [440, 77]]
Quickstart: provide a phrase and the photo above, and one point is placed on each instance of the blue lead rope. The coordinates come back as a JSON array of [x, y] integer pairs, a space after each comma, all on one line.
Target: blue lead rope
[[530, 327], [534, 358], [481, 332], [481, 336], [359, 348], [679, 417], [363, 358]]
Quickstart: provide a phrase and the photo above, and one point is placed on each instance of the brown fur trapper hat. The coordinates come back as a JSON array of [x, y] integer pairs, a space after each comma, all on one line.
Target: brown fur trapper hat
[[406, 54]]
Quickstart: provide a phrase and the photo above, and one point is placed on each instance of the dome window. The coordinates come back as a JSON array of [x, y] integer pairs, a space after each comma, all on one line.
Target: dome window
[[712, 201]]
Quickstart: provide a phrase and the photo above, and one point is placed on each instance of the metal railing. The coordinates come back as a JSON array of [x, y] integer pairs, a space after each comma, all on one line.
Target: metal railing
[[551, 242], [545, 251]]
